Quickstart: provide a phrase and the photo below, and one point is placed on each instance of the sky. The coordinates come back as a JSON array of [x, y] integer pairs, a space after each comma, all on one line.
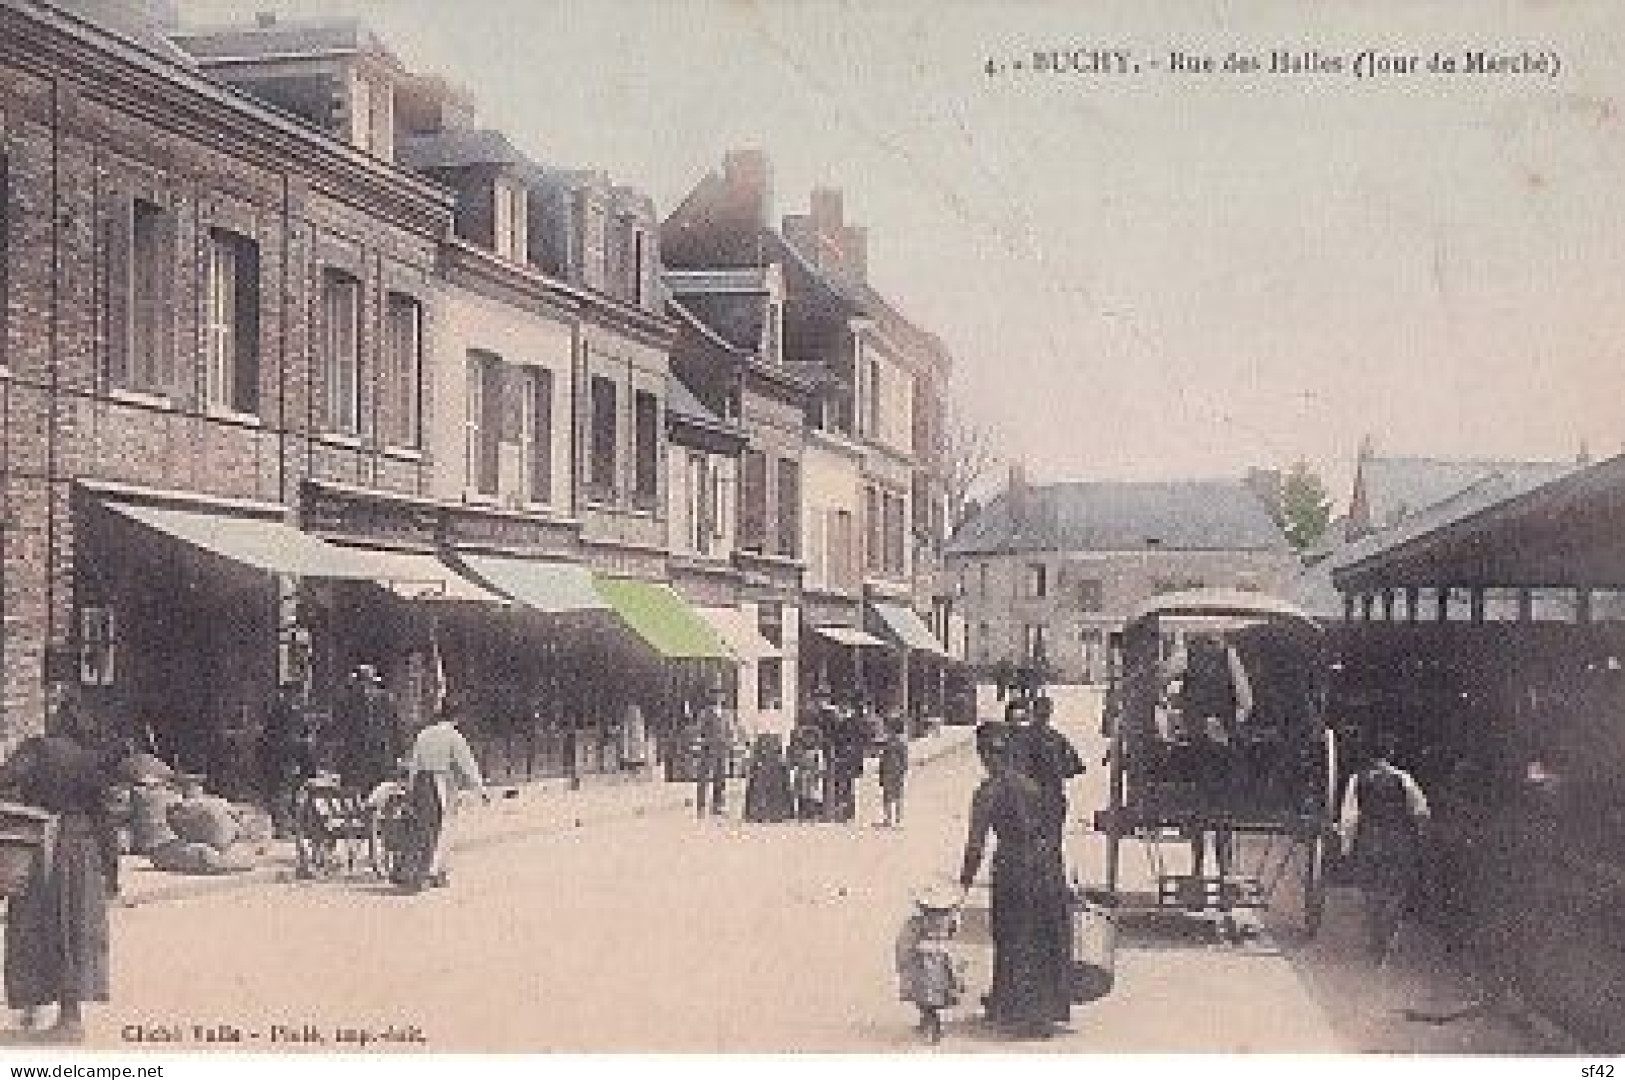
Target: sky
[[1151, 275]]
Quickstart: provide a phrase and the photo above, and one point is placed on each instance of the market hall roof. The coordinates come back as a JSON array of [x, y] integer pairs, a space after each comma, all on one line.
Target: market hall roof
[[1184, 515], [274, 37], [1507, 532]]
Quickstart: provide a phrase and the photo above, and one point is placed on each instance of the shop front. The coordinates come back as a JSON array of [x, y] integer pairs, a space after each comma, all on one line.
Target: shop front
[[185, 620]]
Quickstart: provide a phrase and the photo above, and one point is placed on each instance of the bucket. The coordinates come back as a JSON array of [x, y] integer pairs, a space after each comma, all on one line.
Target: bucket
[[1094, 948]]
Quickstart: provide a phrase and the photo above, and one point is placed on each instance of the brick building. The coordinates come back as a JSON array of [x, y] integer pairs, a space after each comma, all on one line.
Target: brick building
[[1051, 570], [208, 305], [870, 478]]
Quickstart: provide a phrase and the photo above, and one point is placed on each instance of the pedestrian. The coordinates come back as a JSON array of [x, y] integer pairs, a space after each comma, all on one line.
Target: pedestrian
[[1049, 760], [287, 754], [441, 764], [56, 936], [1029, 897], [767, 782], [893, 769], [369, 730], [929, 976], [713, 750], [1383, 825], [807, 760], [846, 739], [1212, 695]]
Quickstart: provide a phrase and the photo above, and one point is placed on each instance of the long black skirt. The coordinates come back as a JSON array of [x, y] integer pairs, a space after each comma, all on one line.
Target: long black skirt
[[1032, 949], [56, 936], [425, 817]]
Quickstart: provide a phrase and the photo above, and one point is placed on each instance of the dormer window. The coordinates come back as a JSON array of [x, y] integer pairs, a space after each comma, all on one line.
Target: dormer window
[[510, 226]]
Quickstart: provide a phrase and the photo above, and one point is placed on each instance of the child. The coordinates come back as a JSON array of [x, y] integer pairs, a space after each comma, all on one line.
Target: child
[[893, 771], [928, 975]]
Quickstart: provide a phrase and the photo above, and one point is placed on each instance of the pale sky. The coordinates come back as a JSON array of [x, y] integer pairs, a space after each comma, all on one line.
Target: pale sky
[[1146, 276]]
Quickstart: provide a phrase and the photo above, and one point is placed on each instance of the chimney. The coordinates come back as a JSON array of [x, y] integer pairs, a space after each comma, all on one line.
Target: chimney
[[826, 210], [1018, 495]]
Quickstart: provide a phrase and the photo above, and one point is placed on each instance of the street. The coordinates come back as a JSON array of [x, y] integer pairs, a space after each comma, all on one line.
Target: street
[[667, 934]]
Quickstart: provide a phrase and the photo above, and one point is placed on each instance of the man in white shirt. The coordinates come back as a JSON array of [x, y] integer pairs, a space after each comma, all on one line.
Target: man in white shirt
[[442, 763]]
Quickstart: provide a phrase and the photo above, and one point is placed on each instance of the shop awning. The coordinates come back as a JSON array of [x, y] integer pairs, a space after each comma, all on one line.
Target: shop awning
[[418, 576], [663, 619], [846, 635], [738, 631], [262, 543], [906, 628], [553, 588]]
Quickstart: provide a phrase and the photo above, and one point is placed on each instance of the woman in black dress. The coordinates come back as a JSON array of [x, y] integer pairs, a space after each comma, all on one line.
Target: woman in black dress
[[56, 937], [1029, 913]]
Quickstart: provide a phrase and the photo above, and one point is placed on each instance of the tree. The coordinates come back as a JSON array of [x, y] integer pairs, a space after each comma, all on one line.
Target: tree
[[1306, 509], [966, 454]]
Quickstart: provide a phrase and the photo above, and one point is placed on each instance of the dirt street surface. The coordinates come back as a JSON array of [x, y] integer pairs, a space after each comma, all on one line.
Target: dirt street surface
[[664, 933]]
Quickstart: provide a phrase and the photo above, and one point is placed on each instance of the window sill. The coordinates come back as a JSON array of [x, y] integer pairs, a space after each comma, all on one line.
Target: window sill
[[479, 498], [333, 438], [142, 398], [232, 416], [404, 453]]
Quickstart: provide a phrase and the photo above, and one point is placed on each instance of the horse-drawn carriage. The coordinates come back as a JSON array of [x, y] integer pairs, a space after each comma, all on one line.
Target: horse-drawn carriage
[[1253, 778]]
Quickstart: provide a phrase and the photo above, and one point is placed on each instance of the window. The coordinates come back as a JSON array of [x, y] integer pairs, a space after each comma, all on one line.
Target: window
[[753, 501], [1033, 643], [771, 333], [231, 324], [341, 328], [141, 269], [1037, 581], [536, 434], [872, 549], [403, 348], [636, 269], [789, 500], [1091, 596], [843, 556], [701, 510], [645, 450], [510, 225], [982, 583], [894, 534], [770, 684], [483, 423], [97, 638], [770, 621], [871, 399], [601, 458], [983, 649], [361, 114]]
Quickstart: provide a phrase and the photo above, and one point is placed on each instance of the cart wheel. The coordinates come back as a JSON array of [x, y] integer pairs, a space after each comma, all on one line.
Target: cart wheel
[[1314, 885]]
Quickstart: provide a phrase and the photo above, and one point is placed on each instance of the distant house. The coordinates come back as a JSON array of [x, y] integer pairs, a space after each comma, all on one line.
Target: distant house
[[1050, 570], [1389, 489]]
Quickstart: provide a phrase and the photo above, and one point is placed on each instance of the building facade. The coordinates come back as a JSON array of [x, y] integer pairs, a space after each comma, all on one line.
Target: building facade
[[1048, 572]]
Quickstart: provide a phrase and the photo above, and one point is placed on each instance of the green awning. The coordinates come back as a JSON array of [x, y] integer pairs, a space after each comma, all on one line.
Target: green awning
[[663, 619], [905, 627], [553, 588]]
